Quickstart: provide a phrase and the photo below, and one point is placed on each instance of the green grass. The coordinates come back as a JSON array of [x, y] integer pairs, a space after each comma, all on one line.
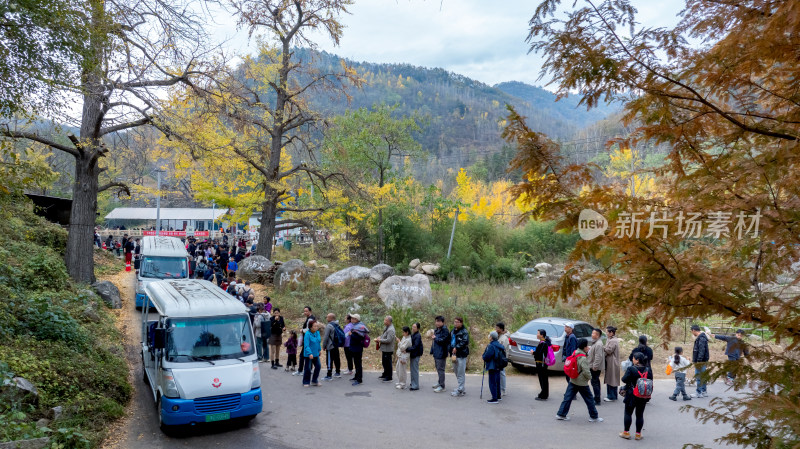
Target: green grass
[[56, 335]]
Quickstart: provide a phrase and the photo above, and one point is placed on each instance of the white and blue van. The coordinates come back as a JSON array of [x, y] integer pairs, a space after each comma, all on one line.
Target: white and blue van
[[161, 258], [198, 354]]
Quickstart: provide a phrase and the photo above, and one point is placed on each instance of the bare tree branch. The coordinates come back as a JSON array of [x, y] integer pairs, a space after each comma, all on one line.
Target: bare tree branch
[[37, 138]]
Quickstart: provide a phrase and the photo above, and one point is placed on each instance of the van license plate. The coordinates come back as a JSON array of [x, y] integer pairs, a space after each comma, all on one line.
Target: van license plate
[[218, 417], [526, 348]]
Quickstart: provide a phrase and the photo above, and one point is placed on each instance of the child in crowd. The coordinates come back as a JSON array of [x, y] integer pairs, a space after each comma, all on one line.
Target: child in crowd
[[402, 357], [291, 351], [677, 364]]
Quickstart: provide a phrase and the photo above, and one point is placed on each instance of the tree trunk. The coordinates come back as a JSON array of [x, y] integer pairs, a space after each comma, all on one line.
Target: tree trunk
[[380, 221], [273, 160], [266, 232], [79, 256]]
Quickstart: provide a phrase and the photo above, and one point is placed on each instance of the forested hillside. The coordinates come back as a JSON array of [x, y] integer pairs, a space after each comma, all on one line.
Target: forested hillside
[[464, 117]]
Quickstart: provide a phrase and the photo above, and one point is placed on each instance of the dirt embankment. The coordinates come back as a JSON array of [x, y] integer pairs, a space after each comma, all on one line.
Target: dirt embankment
[[126, 319]]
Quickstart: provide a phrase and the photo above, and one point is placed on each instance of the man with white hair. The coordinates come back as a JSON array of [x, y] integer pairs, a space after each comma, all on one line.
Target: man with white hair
[[570, 344], [386, 343]]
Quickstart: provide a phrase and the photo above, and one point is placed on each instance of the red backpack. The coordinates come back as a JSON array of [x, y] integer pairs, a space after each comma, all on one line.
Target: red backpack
[[571, 364]]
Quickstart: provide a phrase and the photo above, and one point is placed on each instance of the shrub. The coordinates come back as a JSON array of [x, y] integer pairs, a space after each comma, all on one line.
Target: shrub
[[46, 337]]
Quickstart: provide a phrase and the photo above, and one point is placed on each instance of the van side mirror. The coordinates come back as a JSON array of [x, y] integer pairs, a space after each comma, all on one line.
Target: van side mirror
[[159, 338]]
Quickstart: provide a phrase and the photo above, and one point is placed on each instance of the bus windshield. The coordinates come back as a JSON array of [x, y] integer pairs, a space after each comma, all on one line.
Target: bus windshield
[[164, 267], [208, 338]]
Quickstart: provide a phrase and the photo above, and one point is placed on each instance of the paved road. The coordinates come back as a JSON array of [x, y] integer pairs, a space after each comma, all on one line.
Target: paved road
[[375, 415]]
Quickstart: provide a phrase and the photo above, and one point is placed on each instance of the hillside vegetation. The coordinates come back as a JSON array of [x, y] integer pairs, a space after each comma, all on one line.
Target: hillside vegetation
[[56, 334]]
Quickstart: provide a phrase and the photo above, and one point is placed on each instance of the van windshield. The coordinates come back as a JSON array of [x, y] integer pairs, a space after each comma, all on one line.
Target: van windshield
[[208, 338], [164, 267]]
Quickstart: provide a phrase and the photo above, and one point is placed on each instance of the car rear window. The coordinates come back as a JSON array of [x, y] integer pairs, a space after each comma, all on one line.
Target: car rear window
[[553, 330]]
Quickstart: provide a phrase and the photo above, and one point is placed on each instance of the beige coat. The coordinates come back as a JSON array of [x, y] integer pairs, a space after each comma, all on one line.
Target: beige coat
[[596, 356], [612, 362]]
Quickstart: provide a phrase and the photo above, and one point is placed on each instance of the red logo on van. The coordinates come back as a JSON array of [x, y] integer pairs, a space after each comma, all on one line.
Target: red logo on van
[[216, 383]]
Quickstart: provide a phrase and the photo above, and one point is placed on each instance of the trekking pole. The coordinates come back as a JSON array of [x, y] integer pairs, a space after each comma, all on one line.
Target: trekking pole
[[482, 376]]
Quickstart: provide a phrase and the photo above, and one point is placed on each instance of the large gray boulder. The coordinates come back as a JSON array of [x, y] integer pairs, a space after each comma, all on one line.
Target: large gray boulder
[[405, 291], [291, 274], [413, 264], [429, 268], [543, 267], [349, 274], [254, 269], [19, 389], [380, 272], [110, 294]]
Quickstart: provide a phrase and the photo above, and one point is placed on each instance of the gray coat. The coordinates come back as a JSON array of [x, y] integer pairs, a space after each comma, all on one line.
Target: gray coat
[[327, 338], [612, 362], [596, 356], [387, 339]]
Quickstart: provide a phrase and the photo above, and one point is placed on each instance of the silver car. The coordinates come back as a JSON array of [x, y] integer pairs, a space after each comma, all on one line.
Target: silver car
[[524, 340]]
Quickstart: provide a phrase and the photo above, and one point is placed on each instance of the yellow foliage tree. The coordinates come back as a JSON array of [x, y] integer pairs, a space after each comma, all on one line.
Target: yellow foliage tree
[[627, 164]]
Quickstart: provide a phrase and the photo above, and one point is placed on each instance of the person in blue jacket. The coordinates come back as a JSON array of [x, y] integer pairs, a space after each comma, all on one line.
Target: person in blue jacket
[[734, 349], [491, 356], [570, 344], [311, 350]]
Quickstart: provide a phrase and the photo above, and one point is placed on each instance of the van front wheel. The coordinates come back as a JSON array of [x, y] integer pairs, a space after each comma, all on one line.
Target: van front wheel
[[158, 411]]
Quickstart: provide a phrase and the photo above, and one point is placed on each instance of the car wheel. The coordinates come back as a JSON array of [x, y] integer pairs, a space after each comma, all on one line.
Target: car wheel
[[518, 366]]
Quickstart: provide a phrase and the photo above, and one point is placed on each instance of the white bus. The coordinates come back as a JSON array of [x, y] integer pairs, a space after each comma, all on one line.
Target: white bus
[[161, 258], [199, 355]]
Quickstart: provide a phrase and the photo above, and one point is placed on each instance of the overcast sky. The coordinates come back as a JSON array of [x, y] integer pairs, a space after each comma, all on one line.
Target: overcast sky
[[482, 39]]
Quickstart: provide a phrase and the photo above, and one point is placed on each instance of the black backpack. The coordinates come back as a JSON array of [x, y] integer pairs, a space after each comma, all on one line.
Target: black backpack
[[501, 361], [338, 336], [266, 328]]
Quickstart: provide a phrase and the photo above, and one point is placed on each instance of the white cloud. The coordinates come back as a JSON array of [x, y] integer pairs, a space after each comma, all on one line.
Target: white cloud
[[481, 39]]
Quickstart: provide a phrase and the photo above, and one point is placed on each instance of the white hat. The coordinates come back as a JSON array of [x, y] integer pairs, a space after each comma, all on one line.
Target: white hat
[[356, 316], [569, 325]]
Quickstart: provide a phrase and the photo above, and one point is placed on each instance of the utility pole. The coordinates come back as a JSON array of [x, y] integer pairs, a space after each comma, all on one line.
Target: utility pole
[[158, 203], [452, 234], [213, 217]]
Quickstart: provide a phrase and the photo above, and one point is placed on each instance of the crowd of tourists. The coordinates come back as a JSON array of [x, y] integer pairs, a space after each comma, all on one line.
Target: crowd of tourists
[[588, 362]]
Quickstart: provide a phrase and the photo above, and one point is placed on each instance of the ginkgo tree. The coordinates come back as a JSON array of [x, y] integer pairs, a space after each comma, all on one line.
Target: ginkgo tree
[[128, 52], [627, 165], [487, 200], [261, 107]]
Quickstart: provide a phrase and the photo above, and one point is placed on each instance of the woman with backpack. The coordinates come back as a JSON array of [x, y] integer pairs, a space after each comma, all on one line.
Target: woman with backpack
[[262, 328], [359, 337], [492, 356], [638, 380], [544, 357]]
